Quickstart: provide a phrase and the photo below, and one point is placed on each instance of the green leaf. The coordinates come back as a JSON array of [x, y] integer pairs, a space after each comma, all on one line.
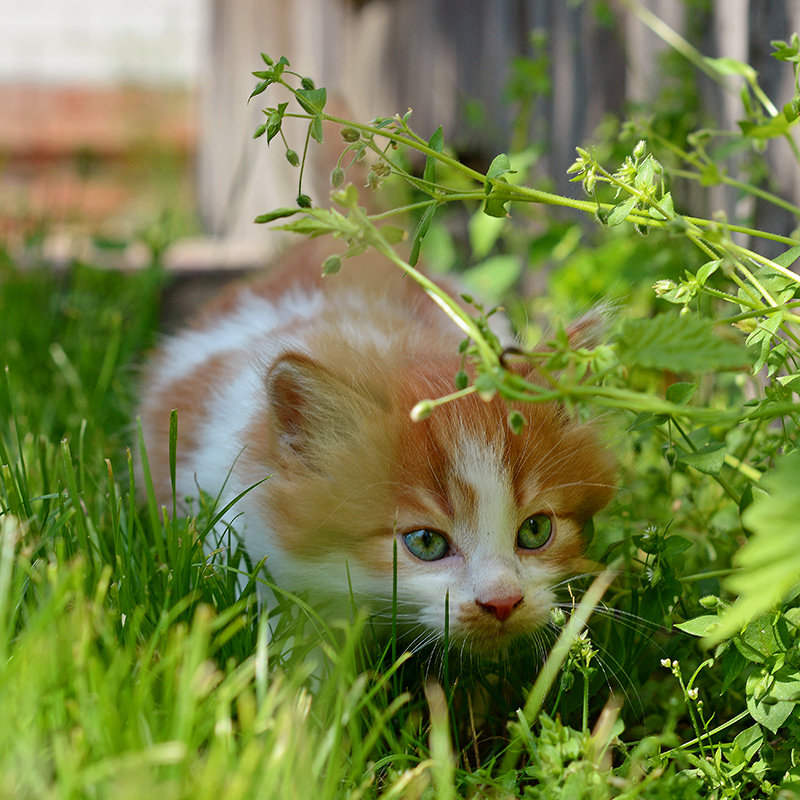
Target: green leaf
[[275, 120], [676, 342], [769, 563], [786, 51], [312, 100], [776, 126], [279, 213], [707, 270], [645, 175], [392, 234], [500, 166], [667, 205], [791, 382], [761, 338], [776, 706], [316, 128], [749, 741], [680, 393], [759, 641], [730, 66], [708, 459], [436, 143], [419, 233], [788, 258], [347, 196], [316, 221], [261, 87], [675, 545], [620, 211], [699, 626], [495, 205]]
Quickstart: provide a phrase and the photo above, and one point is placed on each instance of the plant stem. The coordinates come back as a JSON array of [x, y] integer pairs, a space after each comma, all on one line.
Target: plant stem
[[774, 199], [443, 300], [558, 653]]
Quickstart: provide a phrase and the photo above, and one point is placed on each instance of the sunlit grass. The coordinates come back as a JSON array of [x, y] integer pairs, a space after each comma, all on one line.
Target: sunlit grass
[[132, 666]]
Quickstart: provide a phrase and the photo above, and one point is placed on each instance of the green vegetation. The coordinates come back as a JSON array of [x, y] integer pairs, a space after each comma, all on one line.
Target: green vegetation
[[131, 667]]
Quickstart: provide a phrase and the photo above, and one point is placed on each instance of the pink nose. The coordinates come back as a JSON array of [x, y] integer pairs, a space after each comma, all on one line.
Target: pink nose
[[501, 607]]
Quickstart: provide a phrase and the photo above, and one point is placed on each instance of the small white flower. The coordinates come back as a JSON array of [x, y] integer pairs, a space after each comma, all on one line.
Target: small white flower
[[661, 287]]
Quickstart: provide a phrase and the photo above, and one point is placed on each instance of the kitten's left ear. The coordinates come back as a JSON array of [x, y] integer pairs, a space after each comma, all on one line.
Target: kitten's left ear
[[591, 328], [313, 409]]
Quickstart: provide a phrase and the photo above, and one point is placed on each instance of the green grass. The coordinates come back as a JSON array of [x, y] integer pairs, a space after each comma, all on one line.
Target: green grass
[[132, 668]]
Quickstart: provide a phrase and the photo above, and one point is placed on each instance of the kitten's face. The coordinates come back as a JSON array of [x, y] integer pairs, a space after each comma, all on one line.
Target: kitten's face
[[494, 520], [486, 518]]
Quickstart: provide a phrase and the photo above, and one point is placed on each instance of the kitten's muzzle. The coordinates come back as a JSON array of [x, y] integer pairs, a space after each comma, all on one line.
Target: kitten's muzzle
[[501, 607]]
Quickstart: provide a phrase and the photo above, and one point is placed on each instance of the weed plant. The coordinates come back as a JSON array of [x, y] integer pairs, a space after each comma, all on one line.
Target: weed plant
[[132, 665]]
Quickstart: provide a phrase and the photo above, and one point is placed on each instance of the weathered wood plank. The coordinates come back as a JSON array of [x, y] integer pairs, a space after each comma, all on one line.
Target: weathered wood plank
[[437, 56]]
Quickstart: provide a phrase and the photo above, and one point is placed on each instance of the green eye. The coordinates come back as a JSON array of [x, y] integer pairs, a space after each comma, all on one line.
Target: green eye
[[427, 545], [534, 532]]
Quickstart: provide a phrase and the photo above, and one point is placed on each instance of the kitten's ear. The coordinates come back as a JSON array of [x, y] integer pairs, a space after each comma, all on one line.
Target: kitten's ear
[[312, 408], [591, 328]]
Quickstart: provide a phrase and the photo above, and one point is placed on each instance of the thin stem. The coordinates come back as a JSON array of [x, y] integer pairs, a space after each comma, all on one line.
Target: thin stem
[[552, 666], [417, 144], [712, 573], [745, 187], [675, 41], [756, 312], [730, 723], [768, 262], [443, 300]]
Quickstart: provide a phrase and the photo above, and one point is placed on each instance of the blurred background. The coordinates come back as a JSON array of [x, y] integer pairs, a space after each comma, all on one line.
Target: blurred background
[[125, 128]]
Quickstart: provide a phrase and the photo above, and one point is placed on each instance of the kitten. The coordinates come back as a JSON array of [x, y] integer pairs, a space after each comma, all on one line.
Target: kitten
[[310, 381]]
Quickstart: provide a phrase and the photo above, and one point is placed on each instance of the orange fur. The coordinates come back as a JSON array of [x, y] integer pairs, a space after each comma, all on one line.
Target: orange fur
[[318, 398]]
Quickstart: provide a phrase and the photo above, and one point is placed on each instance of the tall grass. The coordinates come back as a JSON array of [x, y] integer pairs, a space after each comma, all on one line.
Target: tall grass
[[130, 666]]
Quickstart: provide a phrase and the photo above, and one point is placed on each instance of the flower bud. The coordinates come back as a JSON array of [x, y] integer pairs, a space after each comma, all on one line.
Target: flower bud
[[331, 265], [337, 177], [422, 410], [663, 286]]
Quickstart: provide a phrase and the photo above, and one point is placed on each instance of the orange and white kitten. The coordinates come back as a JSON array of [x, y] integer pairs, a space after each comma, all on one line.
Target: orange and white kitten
[[310, 381]]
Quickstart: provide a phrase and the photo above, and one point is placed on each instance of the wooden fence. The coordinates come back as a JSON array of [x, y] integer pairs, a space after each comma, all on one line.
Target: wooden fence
[[444, 58]]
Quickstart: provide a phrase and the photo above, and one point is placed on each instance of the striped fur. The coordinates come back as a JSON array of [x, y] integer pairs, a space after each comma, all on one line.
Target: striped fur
[[310, 381]]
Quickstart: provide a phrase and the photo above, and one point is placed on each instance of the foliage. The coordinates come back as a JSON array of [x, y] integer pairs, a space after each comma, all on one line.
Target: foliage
[[676, 376]]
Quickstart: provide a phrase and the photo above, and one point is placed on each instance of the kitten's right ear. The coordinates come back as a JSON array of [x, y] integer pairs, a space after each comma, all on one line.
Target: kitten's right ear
[[591, 328], [312, 409]]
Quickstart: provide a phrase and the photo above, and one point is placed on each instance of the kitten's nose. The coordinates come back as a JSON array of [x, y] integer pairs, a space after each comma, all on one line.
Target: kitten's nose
[[501, 607]]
